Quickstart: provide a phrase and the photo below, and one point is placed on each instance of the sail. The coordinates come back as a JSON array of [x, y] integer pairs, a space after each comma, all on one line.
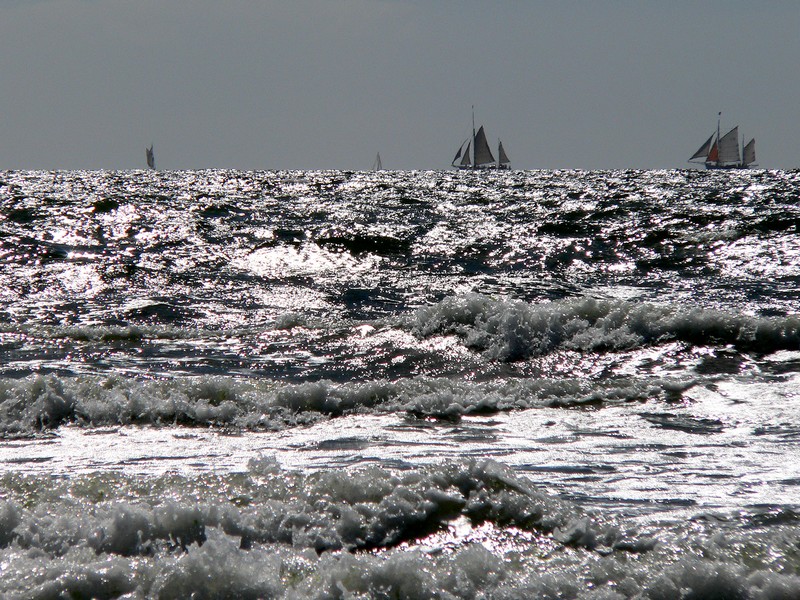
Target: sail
[[483, 155], [729, 147], [749, 153], [702, 151], [377, 165], [151, 161], [502, 157], [724, 151], [465, 158], [713, 154], [458, 154]]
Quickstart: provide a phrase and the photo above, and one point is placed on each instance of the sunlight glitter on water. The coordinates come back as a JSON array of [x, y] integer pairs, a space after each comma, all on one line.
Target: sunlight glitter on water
[[242, 369]]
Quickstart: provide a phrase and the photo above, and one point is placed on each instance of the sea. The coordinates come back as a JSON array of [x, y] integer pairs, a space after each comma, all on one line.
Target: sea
[[400, 384]]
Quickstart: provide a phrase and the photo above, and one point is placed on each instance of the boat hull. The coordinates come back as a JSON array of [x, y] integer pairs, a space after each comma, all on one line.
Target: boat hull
[[715, 167], [484, 168]]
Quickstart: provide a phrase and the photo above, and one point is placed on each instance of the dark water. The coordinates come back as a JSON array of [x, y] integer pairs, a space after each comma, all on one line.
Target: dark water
[[558, 384]]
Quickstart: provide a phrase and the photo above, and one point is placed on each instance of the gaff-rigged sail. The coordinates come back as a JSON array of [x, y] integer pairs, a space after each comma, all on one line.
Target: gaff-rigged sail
[[723, 152], [729, 147], [749, 153], [483, 155], [704, 150]]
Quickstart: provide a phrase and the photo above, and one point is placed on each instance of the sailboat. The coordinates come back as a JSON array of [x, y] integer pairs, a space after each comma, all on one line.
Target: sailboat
[[151, 159], [377, 165], [722, 152], [475, 153]]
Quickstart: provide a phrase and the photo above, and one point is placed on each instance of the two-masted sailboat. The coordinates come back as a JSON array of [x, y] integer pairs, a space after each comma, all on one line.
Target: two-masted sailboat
[[151, 159], [475, 153], [722, 152]]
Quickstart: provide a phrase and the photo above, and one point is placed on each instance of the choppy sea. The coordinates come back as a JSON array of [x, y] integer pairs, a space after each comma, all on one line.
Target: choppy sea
[[525, 384]]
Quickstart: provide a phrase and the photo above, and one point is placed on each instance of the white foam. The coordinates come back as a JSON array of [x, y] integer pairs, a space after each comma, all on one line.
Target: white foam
[[39, 402], [280, 534], [512, 330]]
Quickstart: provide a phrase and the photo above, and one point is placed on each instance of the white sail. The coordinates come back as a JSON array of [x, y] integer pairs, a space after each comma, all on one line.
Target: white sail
[[729, 147], [483, 155], [377, 165], [502, 157], [722, 151], [749, 153], [703, 150]]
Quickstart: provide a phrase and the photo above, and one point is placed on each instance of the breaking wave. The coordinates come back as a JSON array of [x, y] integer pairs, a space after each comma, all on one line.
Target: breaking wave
[[513, 330], [44, 402], [430, 533]]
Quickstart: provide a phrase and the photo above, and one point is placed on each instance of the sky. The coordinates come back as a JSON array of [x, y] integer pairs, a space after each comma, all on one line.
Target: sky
[[326, 84]]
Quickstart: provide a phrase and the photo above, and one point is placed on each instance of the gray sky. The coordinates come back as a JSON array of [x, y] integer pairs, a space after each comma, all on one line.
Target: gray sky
[[316, 84]]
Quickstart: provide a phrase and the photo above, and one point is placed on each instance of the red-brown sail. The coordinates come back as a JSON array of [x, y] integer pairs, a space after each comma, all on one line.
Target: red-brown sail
[[713, 155]]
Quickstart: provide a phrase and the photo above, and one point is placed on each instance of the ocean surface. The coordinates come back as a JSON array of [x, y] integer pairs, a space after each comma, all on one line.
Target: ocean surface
[[430, 384]]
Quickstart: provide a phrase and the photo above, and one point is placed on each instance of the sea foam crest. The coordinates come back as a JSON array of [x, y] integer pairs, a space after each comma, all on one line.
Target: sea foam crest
[[43, 402], [294, 535], [371, 508], [104, 333], [513, 330]]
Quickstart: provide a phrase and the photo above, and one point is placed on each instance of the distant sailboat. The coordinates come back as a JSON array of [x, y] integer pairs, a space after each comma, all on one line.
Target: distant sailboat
[[151, 159], [377, 165], [722, 152], [475, 153]]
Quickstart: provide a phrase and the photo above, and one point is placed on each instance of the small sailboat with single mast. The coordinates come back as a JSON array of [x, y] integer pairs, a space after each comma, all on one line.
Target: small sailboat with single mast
[[151, 159], [474, 153], [722, 152], [377, 165]]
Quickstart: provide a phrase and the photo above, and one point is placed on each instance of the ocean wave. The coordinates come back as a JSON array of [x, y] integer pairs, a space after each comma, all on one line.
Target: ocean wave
[[363, 510], [104, 333], [44, 402], [466, 530], [147, 310], [513, 330]]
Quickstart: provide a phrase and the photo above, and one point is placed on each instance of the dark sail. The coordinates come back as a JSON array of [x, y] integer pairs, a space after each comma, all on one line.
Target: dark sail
[[502, 157], [703, 151], [483, 155], [458, 154], [465, 159]]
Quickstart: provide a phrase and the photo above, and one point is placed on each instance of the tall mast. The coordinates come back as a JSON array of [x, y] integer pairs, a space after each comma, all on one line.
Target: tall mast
[[719, 118], [473, 136]]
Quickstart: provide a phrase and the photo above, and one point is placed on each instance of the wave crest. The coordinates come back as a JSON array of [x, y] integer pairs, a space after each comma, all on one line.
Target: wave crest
[[514, 330], [41, 403]]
